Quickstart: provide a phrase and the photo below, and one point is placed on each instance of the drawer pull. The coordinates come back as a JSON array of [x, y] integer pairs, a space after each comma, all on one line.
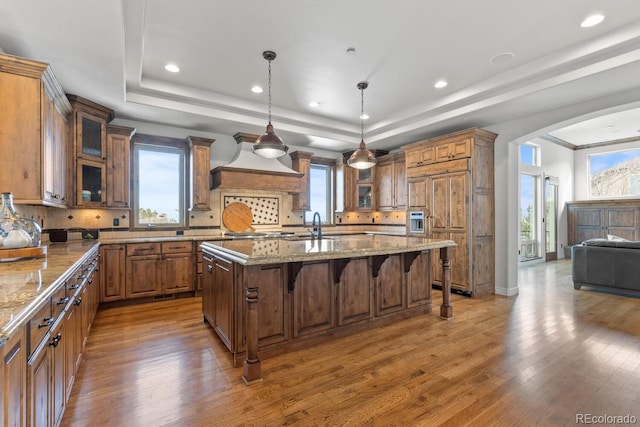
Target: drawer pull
[[74, 286], [56, 340], [47, 322], [78, 302], [210, 268], [63, 301]]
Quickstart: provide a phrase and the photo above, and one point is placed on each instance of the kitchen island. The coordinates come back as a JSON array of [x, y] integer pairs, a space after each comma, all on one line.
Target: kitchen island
[[270, 296]]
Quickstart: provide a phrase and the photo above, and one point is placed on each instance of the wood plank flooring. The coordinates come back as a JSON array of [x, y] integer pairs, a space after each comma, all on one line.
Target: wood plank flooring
[[536, 359]]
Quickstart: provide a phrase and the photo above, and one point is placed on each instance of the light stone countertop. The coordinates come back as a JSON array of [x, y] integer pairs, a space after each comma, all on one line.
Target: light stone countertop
[[282, 250], [26, 283]]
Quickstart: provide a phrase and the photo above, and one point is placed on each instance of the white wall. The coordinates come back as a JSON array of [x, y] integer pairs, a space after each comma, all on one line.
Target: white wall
[[581, 185]]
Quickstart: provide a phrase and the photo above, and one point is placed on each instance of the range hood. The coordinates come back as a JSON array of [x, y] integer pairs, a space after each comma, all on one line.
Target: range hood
[[250, 171]]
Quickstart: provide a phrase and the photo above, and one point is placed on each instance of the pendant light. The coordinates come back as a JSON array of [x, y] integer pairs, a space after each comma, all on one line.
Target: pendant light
[[362, 158], [269, 145]]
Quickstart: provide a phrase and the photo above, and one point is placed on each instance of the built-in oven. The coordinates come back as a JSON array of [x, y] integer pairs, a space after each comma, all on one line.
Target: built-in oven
[[416, 222]]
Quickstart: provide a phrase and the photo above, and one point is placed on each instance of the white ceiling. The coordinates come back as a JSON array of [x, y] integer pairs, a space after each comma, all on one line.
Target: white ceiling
[[114, 52]]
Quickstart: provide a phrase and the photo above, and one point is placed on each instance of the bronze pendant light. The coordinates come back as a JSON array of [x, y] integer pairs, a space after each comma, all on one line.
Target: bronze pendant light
[[362, 158], [269, 145]]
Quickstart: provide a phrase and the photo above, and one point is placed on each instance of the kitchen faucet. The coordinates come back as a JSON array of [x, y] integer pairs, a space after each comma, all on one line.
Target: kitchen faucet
[[317, 232]]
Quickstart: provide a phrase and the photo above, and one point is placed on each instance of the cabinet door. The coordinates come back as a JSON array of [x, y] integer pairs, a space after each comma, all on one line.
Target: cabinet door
[[117, 173], [419, 280], [314, 294], [13, 377], [385, 185], [90, 184], [440, 189], [178, 272], [389, 285], [400, 185], [20, 138], [208, 295], [355, 292], [70, 348], [200, 192], [57, 375], [112, 272], [417, 193], [39, 378], [143, 276], [91, 133], [223, 299]]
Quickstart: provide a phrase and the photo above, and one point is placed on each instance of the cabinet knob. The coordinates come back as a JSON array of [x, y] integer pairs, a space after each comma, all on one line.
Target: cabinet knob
[[56, 340], [78, 302]]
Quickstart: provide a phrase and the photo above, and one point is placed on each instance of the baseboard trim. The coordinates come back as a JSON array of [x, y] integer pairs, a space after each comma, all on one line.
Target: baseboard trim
[[507, 292]]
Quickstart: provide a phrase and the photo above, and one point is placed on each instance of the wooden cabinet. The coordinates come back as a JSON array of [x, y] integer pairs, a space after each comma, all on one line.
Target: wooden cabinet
[[449, 220], [112, 273], [301, 162], [118, 149], [88, 130], [389, 284], [33, 139], [355, 292], [159, 268], [391, 182], [223, 299], [200, 166], [13, 376], [599, 218], [417, 193], [455, 190], [314, 304], [359, 185], [143, 270], [178, 267]]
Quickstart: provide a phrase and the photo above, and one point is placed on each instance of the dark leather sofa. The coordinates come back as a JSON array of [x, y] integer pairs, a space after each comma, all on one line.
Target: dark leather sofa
[[607, 264]]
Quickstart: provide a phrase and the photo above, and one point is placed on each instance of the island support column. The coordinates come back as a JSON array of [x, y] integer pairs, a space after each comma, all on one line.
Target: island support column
[[251, 372], [446, 310]]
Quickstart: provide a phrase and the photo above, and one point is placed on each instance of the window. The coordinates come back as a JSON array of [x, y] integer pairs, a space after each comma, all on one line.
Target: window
[[320, 193], [615, 174], [529, 154], [159, 184], [529, 217]]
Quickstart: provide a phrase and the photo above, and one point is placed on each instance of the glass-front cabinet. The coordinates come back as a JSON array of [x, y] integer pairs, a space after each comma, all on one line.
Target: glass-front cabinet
[[91, 134], [365, 189], [90, 142]]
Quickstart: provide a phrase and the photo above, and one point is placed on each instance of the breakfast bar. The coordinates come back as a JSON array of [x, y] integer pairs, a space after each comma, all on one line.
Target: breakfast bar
[[268, 296]]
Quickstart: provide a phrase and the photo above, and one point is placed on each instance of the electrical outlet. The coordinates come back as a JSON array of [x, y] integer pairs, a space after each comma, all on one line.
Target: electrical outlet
[[116, 222]]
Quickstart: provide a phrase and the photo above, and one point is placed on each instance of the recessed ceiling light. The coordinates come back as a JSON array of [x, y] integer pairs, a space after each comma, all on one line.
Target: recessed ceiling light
[[351, 51], [608, 127], [502, 58], [314, 104], [592, 20], [172, 68], [256, 89], [440, 84], [364, 116]]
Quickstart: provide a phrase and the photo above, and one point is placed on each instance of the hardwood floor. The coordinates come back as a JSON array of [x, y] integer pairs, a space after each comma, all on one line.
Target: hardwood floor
[[539, 358]]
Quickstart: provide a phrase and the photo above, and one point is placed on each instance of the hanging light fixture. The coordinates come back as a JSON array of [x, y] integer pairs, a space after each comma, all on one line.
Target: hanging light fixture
[[269, 144], [362, 158]]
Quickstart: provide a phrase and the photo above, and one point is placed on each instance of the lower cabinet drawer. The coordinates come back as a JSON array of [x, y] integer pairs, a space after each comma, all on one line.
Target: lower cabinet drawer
[[177, 247], [38, 326], [143, 248]]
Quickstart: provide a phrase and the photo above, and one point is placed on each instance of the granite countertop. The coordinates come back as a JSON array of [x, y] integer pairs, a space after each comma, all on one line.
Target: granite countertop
[[270, 251], [26, 283]]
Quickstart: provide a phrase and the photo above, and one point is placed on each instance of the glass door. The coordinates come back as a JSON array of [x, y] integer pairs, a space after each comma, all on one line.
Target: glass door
[[551, 217], [530, 217]]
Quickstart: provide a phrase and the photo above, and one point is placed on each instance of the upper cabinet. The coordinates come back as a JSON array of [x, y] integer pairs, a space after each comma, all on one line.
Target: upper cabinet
[[200, 165], [391, 182], [360, 185], [118, 149], [33, 133], [301, 162], [101, 156]]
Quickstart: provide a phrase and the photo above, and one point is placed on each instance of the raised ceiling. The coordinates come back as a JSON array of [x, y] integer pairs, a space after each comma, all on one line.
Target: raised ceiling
[[114, 52]]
